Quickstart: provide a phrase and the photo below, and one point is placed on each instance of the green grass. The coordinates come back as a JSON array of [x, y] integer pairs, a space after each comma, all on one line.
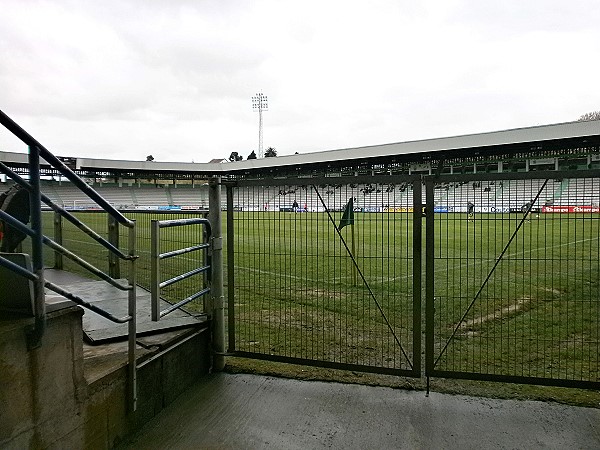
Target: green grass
[[537, 315], [296, 295]]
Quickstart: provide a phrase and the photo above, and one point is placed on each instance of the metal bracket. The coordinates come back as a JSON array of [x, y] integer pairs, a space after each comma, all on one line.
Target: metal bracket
[[216, 243]]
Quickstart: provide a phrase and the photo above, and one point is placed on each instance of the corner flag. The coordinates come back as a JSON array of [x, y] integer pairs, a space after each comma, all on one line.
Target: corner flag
[[348, 219], [348, 216]]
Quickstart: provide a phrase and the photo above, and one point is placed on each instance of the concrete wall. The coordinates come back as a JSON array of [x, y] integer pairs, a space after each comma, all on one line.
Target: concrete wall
[[46, 402], [42, 391], [160, 380]]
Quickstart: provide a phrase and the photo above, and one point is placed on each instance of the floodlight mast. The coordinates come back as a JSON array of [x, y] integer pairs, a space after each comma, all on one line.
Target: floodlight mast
[[259, 103]]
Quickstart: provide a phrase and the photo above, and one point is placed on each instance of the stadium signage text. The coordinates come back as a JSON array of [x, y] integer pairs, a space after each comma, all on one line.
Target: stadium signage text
[[571, 209]]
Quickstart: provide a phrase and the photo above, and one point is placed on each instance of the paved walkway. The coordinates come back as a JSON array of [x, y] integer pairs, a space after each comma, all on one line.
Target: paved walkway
[[241, 411]]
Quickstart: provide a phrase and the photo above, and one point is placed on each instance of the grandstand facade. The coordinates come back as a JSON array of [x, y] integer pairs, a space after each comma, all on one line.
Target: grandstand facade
[[571, 145], [154, 185]]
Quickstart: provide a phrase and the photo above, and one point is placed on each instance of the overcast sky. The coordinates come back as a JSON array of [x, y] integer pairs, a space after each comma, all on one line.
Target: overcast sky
[[174, 79]]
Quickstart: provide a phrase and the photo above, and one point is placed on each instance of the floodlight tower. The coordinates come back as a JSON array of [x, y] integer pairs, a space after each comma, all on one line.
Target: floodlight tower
[[259, 103]]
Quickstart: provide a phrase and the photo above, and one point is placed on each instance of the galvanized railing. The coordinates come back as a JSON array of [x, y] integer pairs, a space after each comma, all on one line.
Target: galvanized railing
[[37, 151], [196, 269]]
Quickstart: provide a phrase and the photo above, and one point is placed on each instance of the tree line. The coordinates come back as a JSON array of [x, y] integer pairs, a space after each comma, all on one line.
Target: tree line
[[269, 153]]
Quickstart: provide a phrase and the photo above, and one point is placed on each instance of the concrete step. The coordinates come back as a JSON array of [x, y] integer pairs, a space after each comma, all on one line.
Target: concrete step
[[105, 343], [98, 329]]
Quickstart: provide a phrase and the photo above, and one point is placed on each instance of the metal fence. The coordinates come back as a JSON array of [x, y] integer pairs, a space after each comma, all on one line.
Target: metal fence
[[303, 289], [180, 265], [512, 278], [504, 265], [510, 274]]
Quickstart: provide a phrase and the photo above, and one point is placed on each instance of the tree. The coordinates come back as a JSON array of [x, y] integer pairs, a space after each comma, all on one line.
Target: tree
[[149, 158], [252, 155], [594, 115], [235, 156], [270, 153]]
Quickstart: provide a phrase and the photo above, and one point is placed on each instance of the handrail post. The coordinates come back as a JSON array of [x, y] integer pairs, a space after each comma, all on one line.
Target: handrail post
[[114, 268], [58, 238], [155, 269], [34, 338], [131, 326], [217, 309]]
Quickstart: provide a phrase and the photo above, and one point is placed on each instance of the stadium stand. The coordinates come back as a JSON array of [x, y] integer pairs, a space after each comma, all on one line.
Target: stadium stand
[[500, 194], [151, 196], [196, 196], [579, 192]]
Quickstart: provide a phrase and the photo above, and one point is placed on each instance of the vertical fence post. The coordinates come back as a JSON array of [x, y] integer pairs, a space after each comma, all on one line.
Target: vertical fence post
[[429, 280], [217, 309], [114, 269], [230, 272], [35, 205], [58, 238], [417, 272]]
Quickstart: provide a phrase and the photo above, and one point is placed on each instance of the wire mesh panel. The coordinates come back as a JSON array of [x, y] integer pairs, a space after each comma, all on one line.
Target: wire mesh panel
[[310, 288], [513, 286], [47, 230]]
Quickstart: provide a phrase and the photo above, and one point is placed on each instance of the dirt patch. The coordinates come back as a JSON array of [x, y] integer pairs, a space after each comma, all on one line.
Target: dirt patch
[[498, 314], [322, 293], [553, 291]]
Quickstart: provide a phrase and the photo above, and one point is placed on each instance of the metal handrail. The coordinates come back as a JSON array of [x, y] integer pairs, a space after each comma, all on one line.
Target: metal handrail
[[37, 151], [64, 213], [27, 139], [53, 287], [156, 257], [62, 250]]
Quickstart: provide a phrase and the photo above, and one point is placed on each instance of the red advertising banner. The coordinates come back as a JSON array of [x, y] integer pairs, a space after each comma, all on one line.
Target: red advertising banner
[[571, 209]]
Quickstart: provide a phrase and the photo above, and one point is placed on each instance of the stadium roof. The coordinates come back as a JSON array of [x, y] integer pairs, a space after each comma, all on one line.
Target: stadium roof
[[586, 133]]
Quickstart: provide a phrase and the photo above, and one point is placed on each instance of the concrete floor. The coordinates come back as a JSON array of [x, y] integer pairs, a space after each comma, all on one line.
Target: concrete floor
[[241, 411]]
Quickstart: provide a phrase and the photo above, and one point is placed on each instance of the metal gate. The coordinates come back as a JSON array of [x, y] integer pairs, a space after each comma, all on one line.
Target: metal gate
[[305, 287], [511, 282], [512, 278], [187, 265]]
